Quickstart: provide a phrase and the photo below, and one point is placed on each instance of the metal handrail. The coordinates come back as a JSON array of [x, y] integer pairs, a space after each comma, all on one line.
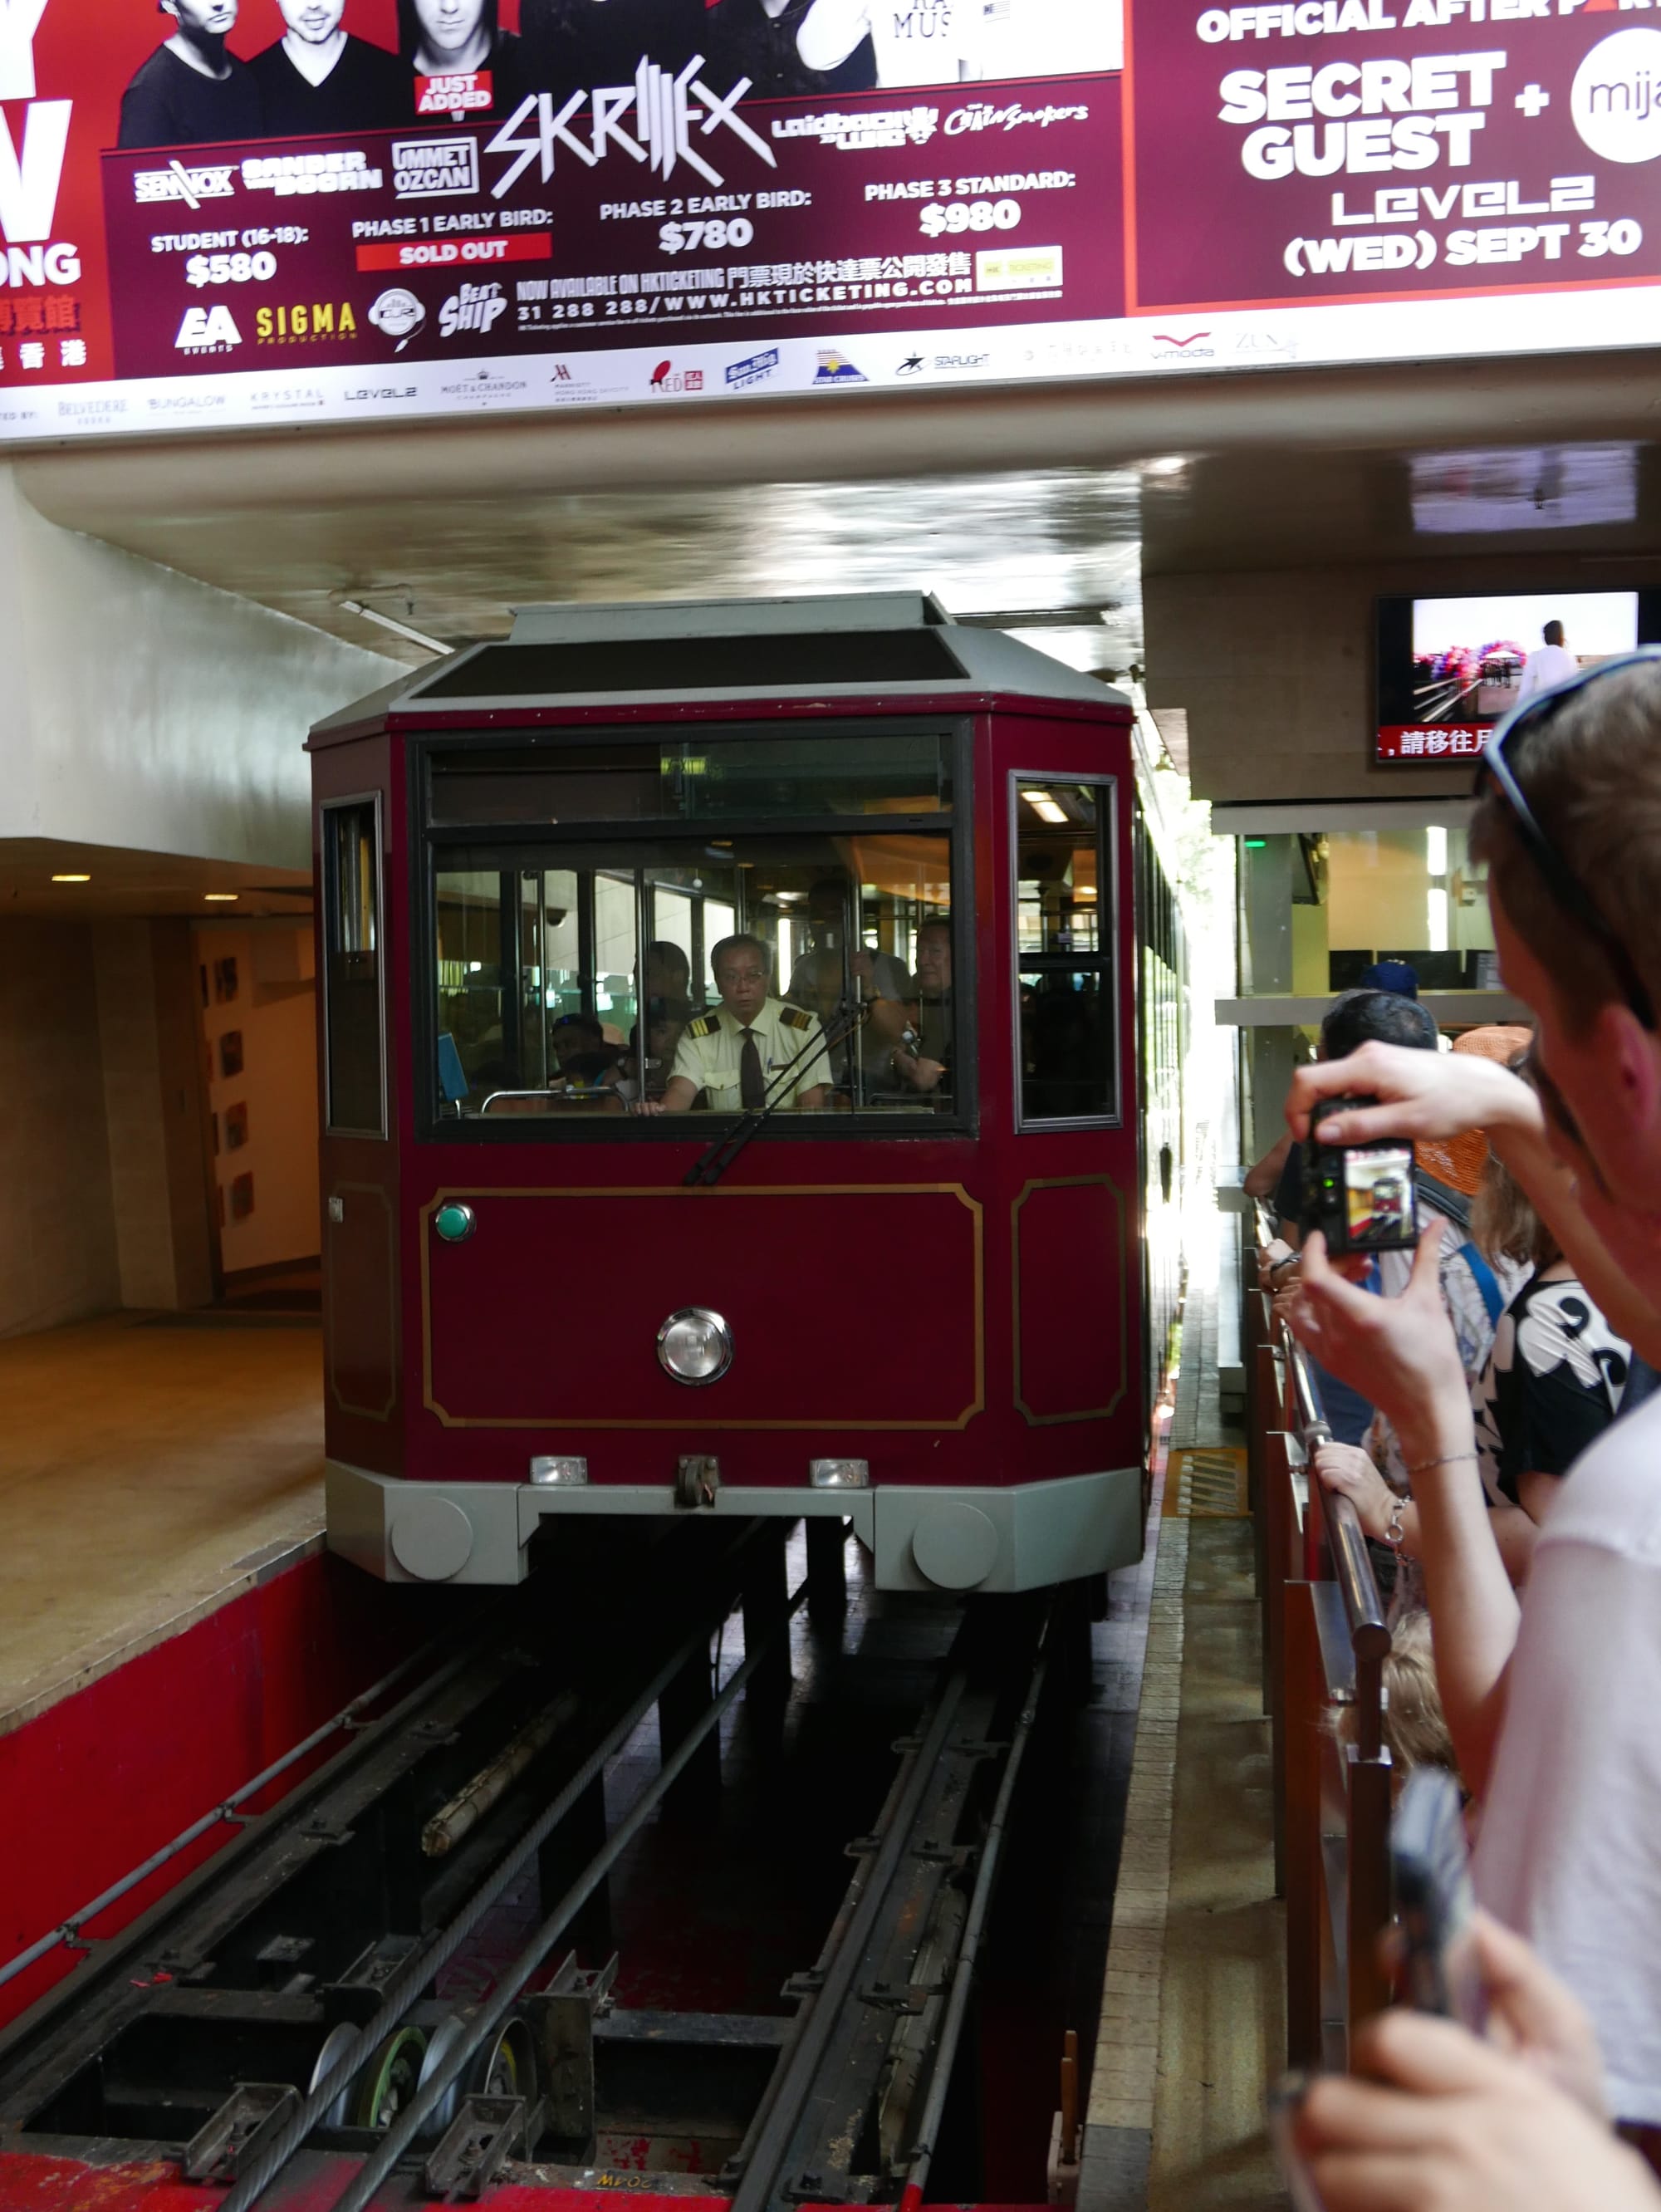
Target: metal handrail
[[1352, 1563]]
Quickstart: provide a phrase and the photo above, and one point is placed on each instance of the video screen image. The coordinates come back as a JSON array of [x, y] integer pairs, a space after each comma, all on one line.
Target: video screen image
[[1449, 669]]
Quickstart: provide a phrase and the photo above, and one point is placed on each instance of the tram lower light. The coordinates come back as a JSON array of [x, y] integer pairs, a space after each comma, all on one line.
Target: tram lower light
[[694, 1345], [840, 1474]]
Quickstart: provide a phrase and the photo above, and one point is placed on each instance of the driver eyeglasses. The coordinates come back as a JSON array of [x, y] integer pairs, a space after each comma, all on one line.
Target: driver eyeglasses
[[1566, 887], [731, 976]]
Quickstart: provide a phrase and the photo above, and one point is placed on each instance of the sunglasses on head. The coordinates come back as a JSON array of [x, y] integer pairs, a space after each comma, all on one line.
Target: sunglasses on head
[[1565, 886]]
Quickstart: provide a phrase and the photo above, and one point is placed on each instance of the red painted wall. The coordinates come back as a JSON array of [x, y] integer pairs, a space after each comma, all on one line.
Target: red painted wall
[[100, 1781]]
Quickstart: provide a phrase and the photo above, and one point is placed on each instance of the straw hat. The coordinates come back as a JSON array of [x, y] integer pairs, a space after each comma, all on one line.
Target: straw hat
[[1458, 1161]]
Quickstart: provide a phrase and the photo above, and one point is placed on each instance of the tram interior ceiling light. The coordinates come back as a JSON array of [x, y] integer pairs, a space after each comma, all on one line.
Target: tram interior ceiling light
[[221, 898], [1046, 808], [71, 879]]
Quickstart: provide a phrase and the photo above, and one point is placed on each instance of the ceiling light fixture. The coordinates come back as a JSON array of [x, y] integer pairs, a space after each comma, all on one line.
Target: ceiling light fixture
[[1046, 808], [221, 898], [71, 879]]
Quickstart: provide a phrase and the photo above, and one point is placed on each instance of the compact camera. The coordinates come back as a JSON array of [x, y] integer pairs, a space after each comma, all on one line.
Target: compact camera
[[1359, 1197]]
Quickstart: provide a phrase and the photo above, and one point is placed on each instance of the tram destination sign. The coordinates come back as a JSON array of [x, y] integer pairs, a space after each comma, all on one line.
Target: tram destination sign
[[233, 213]]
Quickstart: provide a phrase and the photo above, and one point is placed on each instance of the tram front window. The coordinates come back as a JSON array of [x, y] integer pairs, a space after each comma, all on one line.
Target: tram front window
[[637, 976]]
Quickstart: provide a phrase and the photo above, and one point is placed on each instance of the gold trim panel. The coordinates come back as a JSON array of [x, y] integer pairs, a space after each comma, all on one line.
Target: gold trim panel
[[708, 1197], [1067, 1182]]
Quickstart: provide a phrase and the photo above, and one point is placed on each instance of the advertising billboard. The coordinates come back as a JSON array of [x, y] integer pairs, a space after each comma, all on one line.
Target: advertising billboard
[[229, 213]]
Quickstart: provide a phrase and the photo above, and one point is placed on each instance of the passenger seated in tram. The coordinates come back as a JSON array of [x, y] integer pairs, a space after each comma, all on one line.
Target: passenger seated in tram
[[665, 1021], [735, 1055], [585, 1061], [838, 973], [925, 1062]]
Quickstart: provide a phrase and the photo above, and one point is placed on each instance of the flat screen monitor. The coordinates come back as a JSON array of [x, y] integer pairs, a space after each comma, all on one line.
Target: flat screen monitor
[[1449, 669]]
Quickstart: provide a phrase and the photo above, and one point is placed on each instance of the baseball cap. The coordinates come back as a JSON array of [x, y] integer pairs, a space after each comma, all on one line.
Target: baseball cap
[[1392, 975]]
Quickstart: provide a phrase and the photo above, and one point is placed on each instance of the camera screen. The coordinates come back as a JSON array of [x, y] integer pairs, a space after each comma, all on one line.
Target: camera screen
[[1378, 1197]]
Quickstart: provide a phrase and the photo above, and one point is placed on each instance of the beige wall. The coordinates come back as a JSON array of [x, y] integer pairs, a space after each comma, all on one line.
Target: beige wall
[[275, 1014], [153, 1111], [57, 1244]]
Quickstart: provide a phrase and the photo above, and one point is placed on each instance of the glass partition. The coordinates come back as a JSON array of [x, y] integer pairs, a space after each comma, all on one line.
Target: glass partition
[[636, 977], [1067, 1026], [355, 1029]]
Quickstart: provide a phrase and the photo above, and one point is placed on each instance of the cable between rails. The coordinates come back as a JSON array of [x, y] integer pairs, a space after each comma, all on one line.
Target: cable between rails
[[418, 1970], [485, 2023]]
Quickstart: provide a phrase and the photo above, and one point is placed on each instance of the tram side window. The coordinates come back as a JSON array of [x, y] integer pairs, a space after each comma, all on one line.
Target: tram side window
[[619, 976], [1064, 952], [353, 1009]]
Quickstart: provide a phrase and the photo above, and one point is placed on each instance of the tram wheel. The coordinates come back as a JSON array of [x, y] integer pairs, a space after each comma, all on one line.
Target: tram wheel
[[508, 2068], [337, 2040], [389, 2081]]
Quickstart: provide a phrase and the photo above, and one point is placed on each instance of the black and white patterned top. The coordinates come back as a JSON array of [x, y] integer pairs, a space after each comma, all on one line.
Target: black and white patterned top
[[1554, 1382]]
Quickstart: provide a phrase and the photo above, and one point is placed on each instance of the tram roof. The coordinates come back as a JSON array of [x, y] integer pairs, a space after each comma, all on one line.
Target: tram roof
[[662, 652]]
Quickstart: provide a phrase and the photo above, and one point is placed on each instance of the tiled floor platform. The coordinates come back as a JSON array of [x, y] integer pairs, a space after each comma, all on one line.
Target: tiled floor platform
[[1193, 2014], [152, 1468]]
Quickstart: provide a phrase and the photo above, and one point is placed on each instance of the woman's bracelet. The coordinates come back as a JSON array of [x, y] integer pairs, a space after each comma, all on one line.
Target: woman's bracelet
[[1447, 1459], [1290, 1260]]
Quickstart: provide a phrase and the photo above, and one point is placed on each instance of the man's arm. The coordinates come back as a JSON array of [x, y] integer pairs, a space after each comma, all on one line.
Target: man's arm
[[1261, 1180], [1423, 1094], [1402, 1352]]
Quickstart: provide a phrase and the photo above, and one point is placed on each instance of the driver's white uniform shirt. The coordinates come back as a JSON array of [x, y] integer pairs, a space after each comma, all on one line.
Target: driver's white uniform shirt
[[711, 1053]]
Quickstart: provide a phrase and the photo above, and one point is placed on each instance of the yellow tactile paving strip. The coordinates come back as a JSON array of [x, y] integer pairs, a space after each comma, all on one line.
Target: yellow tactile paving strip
[[147, 1475], [1207, 1482]]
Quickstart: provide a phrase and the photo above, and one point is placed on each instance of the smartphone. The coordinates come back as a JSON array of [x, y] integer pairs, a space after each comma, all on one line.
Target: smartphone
[[1430, 1871], [1360, 1197]]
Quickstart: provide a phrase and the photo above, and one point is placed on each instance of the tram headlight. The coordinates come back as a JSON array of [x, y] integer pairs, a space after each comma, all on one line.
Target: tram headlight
[[694, 1345]]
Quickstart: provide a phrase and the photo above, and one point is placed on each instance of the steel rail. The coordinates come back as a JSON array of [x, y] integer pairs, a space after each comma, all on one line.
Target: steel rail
[[1352, 1563], [407, 1983], [491, 2015], [68, 1929], [799, 2068], [968, 1957]]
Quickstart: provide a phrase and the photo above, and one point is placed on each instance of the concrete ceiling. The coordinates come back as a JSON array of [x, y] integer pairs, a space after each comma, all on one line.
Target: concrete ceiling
[[121, 882], [1037, 497]]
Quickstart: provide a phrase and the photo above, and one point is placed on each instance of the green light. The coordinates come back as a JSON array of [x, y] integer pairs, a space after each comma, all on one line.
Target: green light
[[454, 1222], [1255, 844]]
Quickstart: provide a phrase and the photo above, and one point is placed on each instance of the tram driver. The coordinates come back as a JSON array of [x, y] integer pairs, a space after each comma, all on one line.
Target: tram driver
[[738, 1053]]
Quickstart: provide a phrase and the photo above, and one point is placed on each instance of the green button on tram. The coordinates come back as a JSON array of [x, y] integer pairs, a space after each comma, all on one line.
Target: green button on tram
[[455, 1222]]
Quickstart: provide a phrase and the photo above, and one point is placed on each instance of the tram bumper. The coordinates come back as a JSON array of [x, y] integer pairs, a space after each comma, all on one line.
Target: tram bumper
[[1023, 1536]]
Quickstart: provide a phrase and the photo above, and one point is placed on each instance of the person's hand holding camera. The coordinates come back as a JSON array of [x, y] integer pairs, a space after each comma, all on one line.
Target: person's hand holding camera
[[1400, 1353], [1447, 2124], [1419, 1094]]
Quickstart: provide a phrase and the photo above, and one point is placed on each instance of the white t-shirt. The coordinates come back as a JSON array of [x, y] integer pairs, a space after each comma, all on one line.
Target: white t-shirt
[[1569, 1850], [917, 42], [1547, 665]]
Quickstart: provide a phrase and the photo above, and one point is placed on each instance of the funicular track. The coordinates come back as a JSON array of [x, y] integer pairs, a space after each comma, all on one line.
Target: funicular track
[[275, 2025]]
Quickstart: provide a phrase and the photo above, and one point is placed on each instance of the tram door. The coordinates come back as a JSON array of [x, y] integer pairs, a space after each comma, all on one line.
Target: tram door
[[1077, 1266]]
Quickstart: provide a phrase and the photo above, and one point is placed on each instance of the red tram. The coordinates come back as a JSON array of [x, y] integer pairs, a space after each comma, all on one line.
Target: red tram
[[732, 1087]]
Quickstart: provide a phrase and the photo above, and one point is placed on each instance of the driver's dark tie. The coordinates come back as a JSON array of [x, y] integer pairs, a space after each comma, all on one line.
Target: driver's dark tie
[[752, 1084]]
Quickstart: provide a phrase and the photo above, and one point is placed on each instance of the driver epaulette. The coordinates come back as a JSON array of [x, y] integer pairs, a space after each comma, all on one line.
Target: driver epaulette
[[707, 1025], [795, 1018]]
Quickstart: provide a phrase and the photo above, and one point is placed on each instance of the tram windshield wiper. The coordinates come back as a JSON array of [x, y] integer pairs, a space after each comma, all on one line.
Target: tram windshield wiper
[[720, 1156]]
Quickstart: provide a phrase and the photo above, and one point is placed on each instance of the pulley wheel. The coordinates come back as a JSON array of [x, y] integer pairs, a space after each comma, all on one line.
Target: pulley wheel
[[337, 2040], [389, 2081], [508, 2067]]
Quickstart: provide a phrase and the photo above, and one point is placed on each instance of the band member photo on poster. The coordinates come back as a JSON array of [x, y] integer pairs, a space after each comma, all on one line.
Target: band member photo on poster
[[192, 91], [319, 77], [310, 75]]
